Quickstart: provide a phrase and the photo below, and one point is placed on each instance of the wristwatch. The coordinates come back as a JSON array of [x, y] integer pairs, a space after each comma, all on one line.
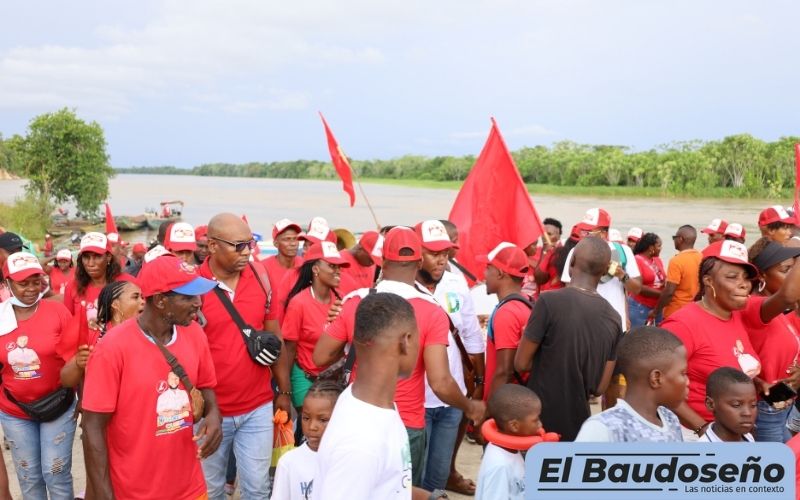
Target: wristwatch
[[437, 494], [625, 278]]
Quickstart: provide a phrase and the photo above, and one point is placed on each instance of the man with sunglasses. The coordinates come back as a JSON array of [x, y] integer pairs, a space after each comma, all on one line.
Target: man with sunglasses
[[244, 389], [683, 282]]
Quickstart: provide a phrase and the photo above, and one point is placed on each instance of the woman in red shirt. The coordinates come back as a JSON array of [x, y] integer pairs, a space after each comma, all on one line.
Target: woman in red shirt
[[31, 329], [647, 251], [96, 268], [777, 342], [62, 273], [713, 328], [307, 314]]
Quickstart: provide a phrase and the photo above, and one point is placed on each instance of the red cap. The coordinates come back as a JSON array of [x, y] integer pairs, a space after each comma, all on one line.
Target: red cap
[[284, 224], [717, 226], [434, 236], [180, 237], [326, 251], [575, 234], [95, 243], [21, 265], [732, 252], [171, 274], [594, 218], [372, 243], [509, 258], [775, 213], [318, 231], [735, 230], [397, 239], [139, 248], [200, 232]]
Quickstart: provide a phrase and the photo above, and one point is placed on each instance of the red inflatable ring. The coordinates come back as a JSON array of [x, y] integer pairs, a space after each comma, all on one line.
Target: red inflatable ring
[[521, 443]]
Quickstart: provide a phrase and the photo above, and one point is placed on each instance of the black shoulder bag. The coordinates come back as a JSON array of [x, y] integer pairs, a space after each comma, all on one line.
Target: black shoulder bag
[[48, 407], [263, 347]]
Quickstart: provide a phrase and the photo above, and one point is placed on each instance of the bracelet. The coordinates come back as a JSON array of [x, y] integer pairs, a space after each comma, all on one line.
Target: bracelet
[[478, 380], [698, 432], [625, 278], [284, 393]]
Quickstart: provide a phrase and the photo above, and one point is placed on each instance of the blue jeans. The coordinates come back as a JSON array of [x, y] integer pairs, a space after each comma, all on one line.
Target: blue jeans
[[250, 437], [637, 313], [771, 423], [42, 453], [441, 427]]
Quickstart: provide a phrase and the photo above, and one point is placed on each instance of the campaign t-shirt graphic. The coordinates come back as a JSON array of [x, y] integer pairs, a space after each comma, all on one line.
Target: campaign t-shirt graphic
[[24, 361], [173, 408]]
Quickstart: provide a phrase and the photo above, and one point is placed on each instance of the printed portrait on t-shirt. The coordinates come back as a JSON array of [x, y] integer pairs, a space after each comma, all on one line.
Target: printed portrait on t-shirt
[[91, 314], [23, 361], [173, 408], [747, 362]]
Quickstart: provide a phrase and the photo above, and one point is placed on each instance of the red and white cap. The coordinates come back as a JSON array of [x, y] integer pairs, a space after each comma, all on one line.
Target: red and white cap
[[372, 243], [156, 252], [326, 251], [95, 243], [180, 237], [615, 236], [734, 229], [318, 231], [171, 274], [732, 252], [399, 238], [139, 248], [775, 213], [717, 226], [64, 254], [21, 265], [200, 232], [635, 233], [594, 218], [113, 237], [284, 224], [508, 258], [434, 236]]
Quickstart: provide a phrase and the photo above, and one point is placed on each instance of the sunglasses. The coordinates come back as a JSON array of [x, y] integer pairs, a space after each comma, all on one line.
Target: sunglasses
[[238, 246]]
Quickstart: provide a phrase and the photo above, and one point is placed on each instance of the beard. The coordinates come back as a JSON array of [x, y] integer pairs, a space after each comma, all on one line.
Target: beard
[[427, 278]]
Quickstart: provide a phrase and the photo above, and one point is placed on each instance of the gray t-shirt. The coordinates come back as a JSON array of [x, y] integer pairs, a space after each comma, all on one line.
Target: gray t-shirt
[[624, 424]]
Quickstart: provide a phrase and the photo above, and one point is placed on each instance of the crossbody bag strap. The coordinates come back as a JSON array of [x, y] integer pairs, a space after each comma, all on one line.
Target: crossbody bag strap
[[260, 281], [460, 344], [235, 316], [175, 365]]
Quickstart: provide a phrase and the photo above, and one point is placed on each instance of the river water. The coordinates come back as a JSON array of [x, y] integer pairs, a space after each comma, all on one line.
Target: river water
[[265, 201]]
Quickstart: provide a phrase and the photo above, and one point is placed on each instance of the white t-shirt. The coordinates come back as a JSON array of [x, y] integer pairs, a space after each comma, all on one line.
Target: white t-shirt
[[452, 294], [612, 290], [294, 476], [709, 436], [364, 453], [607, 426], [501, 476]]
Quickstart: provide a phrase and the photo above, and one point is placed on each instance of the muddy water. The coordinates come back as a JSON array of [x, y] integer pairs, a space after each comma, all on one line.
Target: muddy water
[[266, 200]]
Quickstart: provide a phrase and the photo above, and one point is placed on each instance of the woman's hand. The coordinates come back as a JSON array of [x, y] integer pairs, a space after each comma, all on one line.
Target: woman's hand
[[82, 357]]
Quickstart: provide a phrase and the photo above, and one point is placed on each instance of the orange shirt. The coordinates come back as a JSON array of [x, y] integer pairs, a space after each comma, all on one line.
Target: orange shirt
[[683, 271]]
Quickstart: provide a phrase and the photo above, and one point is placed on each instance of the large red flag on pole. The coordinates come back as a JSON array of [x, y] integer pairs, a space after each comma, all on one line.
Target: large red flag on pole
[[340, 162], [493, 205], [797, 184], [111, 226]]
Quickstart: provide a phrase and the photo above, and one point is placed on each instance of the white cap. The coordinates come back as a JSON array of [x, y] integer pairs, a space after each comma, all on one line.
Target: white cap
[[635, 233], [113, 237], [154, 253], [94, 242], [64, 254], [181, 237], [615, 236], [21, 265]]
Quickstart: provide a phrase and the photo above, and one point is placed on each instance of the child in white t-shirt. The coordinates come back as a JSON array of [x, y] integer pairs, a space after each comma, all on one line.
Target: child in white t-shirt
[[515, 409], [731, 397], [294, 475]]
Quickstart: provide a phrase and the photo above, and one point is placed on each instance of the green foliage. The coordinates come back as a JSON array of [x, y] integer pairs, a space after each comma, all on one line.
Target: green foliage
[[28, 216], [64, 159]]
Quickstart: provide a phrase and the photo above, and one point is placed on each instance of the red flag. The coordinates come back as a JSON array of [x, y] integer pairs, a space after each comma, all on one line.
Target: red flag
[[340, 162], [111, 226], [797, 184], [493, 205]]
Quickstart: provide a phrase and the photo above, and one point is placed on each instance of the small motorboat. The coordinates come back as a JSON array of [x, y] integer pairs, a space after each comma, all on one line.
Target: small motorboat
[[169, 211], [130, 222]]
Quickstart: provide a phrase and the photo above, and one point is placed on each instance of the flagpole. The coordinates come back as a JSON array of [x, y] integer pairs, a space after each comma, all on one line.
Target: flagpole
[[361, 188]]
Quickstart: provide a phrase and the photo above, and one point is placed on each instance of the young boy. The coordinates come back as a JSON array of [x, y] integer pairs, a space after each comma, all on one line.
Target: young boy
[[516, 411], [654, 364], [731, 397]]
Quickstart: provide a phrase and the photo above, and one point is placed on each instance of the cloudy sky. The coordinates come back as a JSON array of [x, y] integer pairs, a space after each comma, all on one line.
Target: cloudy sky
[[185, 82]]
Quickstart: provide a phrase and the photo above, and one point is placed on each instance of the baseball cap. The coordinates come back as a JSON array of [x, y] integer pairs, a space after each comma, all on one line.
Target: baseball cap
[[594, 218], [615, 236], [372, 243], [734, 229], [635, 233], [21, 265], [64, 254], [180, 237], [200, 232], [10, 242], [326, 251], [284, 224], [774, 253], [95, 243], [139, 248], [171, 274], [156, 252], [717, 226], [775, 213], [507, 257], [732, 252], [397, 239], [113, 237], [434, 236], [318, 231]]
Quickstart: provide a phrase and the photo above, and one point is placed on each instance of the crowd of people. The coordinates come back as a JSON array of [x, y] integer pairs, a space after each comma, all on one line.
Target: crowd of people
[[174, 359]]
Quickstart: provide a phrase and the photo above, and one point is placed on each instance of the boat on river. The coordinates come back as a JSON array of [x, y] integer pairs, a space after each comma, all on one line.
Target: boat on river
[[130, 222], [168, 212]]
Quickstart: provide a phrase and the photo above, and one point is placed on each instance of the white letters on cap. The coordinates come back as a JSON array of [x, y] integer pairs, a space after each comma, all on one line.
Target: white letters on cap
[[94, 240], [433, 230], [499, 248]]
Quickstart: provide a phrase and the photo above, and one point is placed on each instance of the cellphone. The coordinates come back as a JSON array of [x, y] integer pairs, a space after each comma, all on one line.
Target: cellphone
[[780, 392]]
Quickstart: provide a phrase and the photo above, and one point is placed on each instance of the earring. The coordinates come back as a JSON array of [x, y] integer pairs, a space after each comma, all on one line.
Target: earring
[[713, 291], [761, 285]]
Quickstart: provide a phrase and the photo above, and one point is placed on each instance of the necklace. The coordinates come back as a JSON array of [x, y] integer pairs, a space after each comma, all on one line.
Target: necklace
[[710, 311]]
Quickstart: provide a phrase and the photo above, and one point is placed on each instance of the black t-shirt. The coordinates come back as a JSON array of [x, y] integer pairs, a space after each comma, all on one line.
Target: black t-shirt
[[577, 333]]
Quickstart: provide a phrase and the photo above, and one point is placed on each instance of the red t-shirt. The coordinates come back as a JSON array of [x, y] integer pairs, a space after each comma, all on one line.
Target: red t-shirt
[[59, 280], [710, 344], [243, 384], [548, 263], [281, 293], [507, 325], [31, 367], [128, 376], [653, 275], [777, 342], [73, 301], [356, 276], [275, 271], [305, 318], [433, 329]]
